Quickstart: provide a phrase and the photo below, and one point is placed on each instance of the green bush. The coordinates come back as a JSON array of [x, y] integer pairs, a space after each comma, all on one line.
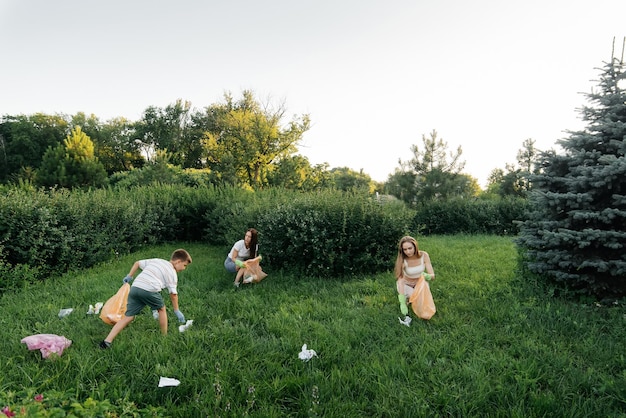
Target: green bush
[[333, 233], [30, 232], [15, 277], [56, 231], [475, 216], [229, 215], [233, 211], [64, 404]]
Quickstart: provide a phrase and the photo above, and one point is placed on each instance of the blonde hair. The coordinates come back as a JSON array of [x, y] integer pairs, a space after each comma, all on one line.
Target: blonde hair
[[401, 257]]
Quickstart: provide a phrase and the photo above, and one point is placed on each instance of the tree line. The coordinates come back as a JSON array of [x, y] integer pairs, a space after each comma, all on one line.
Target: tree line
[[237, 142]]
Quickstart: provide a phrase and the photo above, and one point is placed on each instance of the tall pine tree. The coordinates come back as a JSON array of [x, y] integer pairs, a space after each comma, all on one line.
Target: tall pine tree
[[575, 235]]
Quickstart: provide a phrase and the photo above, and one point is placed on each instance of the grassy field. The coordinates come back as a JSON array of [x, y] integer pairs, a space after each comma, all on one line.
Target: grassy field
[[496, 347]]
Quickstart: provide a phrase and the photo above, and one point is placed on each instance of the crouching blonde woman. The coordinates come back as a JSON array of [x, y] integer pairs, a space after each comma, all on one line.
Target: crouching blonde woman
[[413, 271]]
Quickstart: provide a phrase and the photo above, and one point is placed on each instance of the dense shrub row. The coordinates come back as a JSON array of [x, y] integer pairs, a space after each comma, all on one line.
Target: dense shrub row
[[334, 234], [326, 233], [477, 216], [56, 231]]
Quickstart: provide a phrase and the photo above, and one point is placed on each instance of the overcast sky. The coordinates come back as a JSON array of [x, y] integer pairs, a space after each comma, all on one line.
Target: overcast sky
[[374, 75]]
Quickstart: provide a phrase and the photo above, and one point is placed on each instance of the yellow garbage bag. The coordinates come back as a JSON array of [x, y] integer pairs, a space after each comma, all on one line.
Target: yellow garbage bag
[[421, 300], [115, 308], [253, 272]]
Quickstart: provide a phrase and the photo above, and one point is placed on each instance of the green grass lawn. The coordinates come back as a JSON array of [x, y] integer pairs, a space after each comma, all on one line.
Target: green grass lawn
[[496, 346]]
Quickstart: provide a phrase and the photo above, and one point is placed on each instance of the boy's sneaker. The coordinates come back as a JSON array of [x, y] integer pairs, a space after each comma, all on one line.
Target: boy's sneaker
[[105, 344]]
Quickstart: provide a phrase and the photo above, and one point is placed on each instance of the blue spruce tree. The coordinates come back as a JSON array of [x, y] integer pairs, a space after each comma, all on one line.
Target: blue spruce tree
[[575, 234]]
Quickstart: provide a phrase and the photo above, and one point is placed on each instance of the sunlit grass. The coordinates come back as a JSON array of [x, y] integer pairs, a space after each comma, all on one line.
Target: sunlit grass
[[494, 348]]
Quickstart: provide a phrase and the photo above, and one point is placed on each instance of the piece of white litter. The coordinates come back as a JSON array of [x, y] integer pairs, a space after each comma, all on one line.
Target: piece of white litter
[[406, 321], [95, 310], [65, 312], [168, 381], [183, 328], [306, 355]]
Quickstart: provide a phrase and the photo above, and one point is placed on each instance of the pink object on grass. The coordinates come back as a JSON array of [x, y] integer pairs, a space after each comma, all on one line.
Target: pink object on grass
[[47, 344]]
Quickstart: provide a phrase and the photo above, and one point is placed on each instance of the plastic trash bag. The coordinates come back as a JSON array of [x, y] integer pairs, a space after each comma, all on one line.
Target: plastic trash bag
[[422, 301], [114, 308], [253, 272], [47, 344], [65, 312]]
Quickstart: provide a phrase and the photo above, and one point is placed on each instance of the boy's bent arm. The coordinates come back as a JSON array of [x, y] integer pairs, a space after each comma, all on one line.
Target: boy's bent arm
[[174, 299], [134, 269]]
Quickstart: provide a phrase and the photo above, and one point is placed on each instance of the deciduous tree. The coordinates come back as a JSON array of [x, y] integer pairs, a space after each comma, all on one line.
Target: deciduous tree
[[295, 172], [242, 138], [346, 179], [168, 129], [72, 164], [25, 139]]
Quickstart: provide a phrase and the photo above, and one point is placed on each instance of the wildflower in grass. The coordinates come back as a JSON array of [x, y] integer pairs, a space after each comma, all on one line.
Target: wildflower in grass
[[7, 411], [38, 398], [315, 395], [218, 389], [315, 401], [251, 400]]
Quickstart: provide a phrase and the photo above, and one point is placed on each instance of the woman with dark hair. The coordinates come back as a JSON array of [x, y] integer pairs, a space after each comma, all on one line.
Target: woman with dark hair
[[413, 270], [244, 249]]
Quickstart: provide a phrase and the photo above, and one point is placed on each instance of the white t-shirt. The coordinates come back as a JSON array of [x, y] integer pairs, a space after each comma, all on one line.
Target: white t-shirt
[[243, 252], [156, 275]]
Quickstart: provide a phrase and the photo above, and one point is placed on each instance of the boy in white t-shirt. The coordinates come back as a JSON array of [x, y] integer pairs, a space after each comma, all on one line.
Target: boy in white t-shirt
[[156, 274]]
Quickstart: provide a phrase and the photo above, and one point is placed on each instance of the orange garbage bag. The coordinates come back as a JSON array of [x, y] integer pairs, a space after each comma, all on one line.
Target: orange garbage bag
[[421, 300], [253, 272], [115, 308]]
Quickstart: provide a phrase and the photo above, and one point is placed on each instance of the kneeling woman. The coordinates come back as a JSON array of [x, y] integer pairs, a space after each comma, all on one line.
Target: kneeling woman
[[242, 250]]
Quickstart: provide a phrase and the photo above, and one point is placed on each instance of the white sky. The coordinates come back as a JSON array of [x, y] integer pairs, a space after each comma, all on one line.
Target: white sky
[[374, 75]]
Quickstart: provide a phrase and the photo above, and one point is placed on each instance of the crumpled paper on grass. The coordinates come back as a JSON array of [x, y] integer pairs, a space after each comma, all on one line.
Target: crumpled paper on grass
[[305, 354], [47, 343], [168, 381]]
